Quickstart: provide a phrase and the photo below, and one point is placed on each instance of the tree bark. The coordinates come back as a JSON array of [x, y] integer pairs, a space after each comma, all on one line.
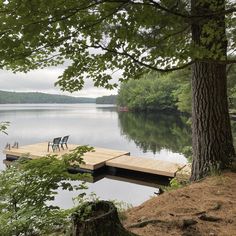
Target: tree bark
[[211, 131], [98, 219]]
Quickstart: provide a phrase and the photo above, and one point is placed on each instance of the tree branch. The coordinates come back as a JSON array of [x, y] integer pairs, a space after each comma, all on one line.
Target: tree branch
[[224, 62], [160, 7], [126, 54], [171, 11]]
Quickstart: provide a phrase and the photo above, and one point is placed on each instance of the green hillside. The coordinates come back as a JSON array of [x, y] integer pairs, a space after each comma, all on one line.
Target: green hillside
[[35, 97], [106, 99]]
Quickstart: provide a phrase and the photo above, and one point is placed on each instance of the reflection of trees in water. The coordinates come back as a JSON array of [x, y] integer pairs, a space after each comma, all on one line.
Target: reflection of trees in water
[[152, 131], [111, 108]]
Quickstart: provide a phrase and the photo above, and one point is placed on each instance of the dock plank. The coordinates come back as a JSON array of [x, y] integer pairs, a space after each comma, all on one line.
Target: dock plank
[[146, 165], [93, 160]]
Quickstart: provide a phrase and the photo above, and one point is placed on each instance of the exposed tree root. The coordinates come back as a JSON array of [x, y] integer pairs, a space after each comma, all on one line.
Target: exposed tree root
[[206, 217], [176, 223]]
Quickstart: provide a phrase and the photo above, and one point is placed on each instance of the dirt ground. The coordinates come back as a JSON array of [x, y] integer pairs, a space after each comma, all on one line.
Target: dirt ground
[[207, 207]]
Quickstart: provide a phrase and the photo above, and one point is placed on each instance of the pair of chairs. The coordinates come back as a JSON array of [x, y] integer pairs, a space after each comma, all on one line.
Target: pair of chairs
[[57, 142], [15, 145]]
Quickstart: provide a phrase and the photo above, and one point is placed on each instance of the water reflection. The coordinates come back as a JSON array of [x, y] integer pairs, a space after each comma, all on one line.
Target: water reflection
[[154, 132], [108, 108]]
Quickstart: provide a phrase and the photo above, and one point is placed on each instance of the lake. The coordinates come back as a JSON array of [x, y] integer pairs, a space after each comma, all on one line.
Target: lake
[[152, 135]]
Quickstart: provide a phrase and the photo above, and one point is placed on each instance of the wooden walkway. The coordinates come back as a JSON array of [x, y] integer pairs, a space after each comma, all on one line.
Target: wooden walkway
[[102, 157], [93, 160], [145, 165]]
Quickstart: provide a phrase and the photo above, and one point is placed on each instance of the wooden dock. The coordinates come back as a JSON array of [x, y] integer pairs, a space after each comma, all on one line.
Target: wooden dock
[[146, 165], [102, 157], [93, 160]]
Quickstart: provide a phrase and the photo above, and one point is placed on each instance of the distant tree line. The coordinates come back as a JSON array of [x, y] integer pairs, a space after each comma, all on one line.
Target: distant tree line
[[107, 99], [172, 91], [35, 97]]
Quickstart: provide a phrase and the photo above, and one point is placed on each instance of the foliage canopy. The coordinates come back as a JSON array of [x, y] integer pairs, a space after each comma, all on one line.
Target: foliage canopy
[[99, 37]]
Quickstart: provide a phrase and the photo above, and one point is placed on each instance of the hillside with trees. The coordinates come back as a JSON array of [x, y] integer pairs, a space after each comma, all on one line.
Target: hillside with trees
[[35, 97], [107, 99], [154, 92], [172, 91]]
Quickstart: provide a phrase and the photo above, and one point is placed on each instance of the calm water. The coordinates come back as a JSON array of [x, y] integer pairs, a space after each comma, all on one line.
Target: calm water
[[148, 135]]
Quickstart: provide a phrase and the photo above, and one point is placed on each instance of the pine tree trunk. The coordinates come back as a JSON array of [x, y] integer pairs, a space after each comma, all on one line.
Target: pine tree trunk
[[212, 140], [211, 131], [98, 219]]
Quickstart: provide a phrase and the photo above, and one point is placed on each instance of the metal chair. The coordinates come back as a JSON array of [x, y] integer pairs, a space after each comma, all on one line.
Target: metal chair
[[55, 144], [64, 141]]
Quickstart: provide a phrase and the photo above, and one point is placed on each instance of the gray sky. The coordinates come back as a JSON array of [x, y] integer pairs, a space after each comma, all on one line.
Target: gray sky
[[43, 81]]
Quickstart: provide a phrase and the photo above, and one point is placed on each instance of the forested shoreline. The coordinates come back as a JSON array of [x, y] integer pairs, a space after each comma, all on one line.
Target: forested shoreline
[[36, 97], [166, 92]]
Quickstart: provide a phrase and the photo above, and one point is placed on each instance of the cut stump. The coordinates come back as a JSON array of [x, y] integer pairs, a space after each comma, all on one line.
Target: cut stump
[[97, 219]]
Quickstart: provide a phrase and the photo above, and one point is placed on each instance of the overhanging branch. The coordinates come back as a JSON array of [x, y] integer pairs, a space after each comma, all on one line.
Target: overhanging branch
[[190, 16], [133, 58]]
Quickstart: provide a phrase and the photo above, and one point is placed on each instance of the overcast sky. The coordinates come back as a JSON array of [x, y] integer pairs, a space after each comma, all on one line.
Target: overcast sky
[[43, 81]]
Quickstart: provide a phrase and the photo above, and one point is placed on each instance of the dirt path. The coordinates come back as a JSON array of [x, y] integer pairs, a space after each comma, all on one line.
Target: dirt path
[[204, 208]]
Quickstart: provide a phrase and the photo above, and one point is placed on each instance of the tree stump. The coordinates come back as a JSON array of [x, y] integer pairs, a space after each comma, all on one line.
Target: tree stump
[[97, 219]]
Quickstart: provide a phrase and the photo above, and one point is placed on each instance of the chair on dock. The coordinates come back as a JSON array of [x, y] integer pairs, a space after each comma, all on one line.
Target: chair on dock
[[55, 144], [64, 141], [8, 146]]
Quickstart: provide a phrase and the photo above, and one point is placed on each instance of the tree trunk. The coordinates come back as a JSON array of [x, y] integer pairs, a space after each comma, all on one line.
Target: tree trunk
[[211, 131], [98, 219], [212, 140]]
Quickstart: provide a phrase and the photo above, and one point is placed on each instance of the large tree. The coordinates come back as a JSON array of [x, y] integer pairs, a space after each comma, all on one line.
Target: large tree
[[100, 37]]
